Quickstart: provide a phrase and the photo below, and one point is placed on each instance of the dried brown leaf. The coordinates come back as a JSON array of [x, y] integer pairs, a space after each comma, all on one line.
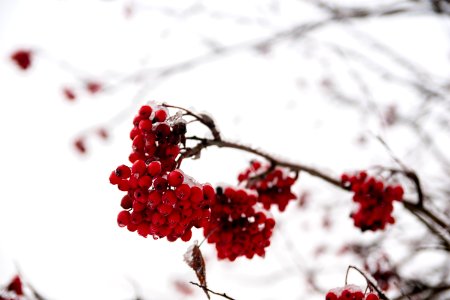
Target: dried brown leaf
[[194, 258]]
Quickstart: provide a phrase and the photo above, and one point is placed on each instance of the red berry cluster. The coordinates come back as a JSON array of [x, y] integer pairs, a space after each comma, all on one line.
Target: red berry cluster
[[235, 227], [13, 291], [382, 271], [22, 58], [160, 200], [350, 292], [375, 200], [273, 186]]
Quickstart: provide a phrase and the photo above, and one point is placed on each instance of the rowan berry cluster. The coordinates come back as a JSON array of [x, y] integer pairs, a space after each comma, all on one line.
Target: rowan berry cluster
[[13, 291], [22, 58], [374, 198], [236, 228], [350, 292], [160, 200], [273, 185]]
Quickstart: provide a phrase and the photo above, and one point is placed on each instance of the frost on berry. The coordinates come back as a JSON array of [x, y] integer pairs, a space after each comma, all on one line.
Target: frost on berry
[[375, 200], [348, 292], [235, 227], [160, 201], [273, 185], [22, 58]]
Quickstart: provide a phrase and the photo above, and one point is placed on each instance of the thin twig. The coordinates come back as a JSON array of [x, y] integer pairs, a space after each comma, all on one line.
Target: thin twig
[[369, 282], [204, 119], [224, 295]]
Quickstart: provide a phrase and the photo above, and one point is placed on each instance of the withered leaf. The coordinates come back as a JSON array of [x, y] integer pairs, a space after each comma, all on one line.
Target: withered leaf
[[194, 258]]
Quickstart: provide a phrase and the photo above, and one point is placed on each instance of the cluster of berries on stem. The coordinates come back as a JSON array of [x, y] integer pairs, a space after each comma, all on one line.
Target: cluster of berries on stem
[[272, 184], [160, 199], [236, 228], [350, 292], [375, 200]]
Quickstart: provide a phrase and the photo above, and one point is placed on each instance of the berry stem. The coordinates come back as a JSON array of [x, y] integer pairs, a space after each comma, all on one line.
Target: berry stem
[[204, 119], [369, 281]]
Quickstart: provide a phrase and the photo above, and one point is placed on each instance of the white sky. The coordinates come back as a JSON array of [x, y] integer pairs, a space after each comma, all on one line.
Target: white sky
[[57, 209]]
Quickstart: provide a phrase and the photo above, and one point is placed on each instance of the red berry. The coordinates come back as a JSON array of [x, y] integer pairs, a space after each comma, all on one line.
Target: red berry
[[162, 131], [209, 194], [139, 167], [154, 198], [159, 183], [172, 151], [69, 94], [134, 157], [165, 209], [145, 111], [123, 185], [93, 87], [132, 227], [138, 143], [123, 172], [143, 229], [270, 223], [331, 296], [186, 236], [145, 182], [113, 178], [183, 192], [158, 219], [358, 295], [15, 286], [372, 296], [154, 168], [346, 295], [22, 58], [139, 206], [169, 198], [196, 195], [136, 218], [175, 178], [134, 132], [140, 196], [174, 218], [126, 202], [145, 125], [160, 115], [123, 219]]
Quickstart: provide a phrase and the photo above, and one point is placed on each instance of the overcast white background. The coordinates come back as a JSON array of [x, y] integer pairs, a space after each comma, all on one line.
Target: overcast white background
[[58, 210]]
